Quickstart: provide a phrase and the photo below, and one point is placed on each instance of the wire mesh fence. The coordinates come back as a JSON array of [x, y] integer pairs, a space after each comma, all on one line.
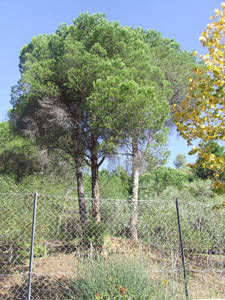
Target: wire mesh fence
[[68, 256]]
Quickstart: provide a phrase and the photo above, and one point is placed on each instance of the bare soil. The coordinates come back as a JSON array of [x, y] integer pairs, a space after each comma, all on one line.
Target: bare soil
[[53, 273]]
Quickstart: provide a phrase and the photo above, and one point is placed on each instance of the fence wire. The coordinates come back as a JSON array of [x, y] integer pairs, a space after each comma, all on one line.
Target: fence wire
[[62, 247]]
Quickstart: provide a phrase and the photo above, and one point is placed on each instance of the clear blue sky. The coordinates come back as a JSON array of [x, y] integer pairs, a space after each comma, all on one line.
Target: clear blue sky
[[20, 20]]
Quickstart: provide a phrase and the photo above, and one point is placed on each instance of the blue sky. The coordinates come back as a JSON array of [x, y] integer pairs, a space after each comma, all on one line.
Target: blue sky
[[20, 20]]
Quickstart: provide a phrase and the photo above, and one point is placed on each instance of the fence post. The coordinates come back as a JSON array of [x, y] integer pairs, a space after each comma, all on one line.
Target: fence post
[[32, 245], [182, 250]]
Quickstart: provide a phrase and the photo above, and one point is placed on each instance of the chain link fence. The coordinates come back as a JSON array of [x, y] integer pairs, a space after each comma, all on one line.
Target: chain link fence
[[63, 248]]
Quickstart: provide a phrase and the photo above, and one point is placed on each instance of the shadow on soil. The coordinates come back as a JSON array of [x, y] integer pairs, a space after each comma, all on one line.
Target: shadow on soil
[[43, 287]]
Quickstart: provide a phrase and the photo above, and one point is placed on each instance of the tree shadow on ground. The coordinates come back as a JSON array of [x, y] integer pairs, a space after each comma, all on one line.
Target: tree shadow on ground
[[43, 287]]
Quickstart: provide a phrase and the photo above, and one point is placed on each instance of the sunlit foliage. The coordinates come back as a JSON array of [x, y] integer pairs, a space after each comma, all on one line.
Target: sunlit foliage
[[201, 115]]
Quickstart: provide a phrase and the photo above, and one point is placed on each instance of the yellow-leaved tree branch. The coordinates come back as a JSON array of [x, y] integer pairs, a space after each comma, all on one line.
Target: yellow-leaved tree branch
[[201, 115]]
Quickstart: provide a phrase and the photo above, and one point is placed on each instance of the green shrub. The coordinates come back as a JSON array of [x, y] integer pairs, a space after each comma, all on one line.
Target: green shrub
[[155, 183], [203, 229], [95, 233], [113, 185], [116, 215], [117, 292], [100, 276]]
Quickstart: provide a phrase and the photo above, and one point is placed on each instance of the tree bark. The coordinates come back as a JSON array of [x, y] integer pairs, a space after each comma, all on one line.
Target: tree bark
[[80, 191], [135, 183], [95, 189]]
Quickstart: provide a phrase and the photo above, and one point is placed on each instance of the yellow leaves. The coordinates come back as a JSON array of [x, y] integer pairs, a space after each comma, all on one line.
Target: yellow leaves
[[202, 39], [212, 106], [217, 116], [216, 184], [212, 158], [193, 151], [201, 115], [217, 12], [204, 34], [206, 58]]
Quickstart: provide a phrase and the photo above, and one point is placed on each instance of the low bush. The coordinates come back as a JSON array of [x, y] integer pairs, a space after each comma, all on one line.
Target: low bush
[[118, 292], [94, 235], [101, 278]]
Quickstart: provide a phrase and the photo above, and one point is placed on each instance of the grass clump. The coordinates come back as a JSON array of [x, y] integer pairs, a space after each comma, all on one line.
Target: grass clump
[[106, 278]]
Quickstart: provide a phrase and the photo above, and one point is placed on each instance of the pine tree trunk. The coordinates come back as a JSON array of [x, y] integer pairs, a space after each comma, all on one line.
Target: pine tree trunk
[[95, 189], [80, 191], [135, 183]]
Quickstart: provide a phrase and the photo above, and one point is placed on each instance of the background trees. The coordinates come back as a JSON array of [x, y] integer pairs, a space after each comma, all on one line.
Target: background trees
[[18, 156], [180, 161]]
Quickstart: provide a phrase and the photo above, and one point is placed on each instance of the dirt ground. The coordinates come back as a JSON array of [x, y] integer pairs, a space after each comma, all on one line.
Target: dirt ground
[[53, 273]]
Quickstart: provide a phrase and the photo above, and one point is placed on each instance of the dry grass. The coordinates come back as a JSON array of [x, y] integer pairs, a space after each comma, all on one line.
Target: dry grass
[[52, 273]]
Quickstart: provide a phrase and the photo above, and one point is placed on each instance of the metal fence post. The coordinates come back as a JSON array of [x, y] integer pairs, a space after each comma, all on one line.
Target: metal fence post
[[32, 246], [182, 250]]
